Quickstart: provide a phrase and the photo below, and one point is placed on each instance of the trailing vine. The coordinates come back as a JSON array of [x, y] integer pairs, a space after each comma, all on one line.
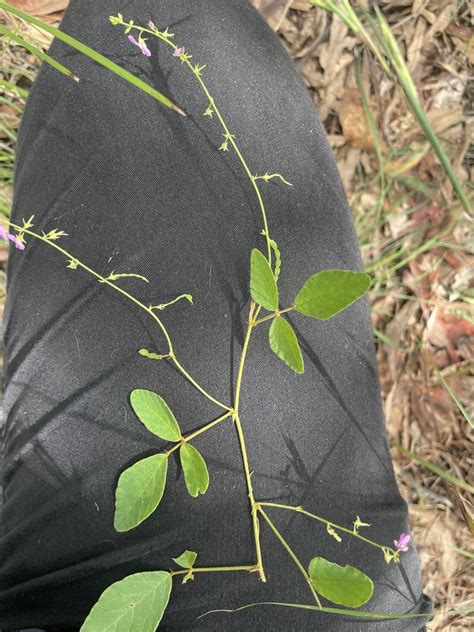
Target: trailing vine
[[139, 600]]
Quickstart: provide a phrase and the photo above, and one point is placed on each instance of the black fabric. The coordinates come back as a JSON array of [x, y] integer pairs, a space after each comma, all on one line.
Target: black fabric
[[141, 189]]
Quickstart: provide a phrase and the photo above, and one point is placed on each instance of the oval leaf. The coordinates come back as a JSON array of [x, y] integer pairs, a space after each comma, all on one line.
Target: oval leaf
[[195, 470], [344, 585], [186, 559], [263, 287], [152, 410], [327, 293], [139, 491], [134, 603], [284, 343]]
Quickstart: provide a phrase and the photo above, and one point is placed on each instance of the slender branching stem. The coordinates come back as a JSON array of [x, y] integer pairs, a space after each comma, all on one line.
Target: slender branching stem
[[79, 264], [328, 523], [243, 447], [230, 137], [215, 569], [290, 552]]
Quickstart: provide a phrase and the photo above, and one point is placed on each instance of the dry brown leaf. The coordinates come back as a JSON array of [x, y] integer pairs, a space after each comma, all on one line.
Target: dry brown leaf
[[333, 55], [444, 327], [274, 11], [396, 407], [464, 506], [40, 7], [442, 21], [354, 122]]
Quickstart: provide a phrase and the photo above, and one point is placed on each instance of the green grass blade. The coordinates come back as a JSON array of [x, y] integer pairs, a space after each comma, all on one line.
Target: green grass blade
[[451, 393], [348, 613], [8, 85], [398, 63], [434, 468], [94, 55], [37, 52]]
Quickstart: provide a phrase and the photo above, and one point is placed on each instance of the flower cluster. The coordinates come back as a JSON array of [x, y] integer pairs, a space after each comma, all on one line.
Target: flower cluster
[[19, 243]]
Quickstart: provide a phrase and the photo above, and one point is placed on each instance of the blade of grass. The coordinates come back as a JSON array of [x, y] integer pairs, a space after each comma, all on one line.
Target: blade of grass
[[94, 55], [398, 63], [434, 468], [37, 52], [343, 611], [346, 13], [8, 85], [468, 554], [451, 393], [377, 142]]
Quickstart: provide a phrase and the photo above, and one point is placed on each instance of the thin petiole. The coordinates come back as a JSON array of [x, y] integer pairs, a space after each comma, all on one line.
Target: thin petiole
[[326, 522], [291, 553]]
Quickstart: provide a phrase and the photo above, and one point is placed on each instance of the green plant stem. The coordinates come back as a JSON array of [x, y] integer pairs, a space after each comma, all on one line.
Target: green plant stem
[[180, 367], [196, 433], [327, 523], [230, 138], [243, 447], [38, 53], [227, 132], [434, 468], [215, 569], [278, 312], [131, 298], [291, 553]]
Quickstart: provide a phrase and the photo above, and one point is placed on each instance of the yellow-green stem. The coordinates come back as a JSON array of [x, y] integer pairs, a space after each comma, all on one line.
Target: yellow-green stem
[[243, 447], [279, 312], [290, 552], [326, 522], [228, 134], [215, 569], [196, 433], [127, 295]]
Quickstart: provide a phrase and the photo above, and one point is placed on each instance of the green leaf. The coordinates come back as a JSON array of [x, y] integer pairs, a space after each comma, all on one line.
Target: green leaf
[[284, 343], [131, 604], [276, 252], [186, 559], [263, 287], [151, 354], [139, 491], [344, 585], [152, 410], [327, 293], [195, 470]]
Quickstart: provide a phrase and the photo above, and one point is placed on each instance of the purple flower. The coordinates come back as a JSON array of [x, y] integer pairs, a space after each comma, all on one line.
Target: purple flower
[[151, 25], [8, 236], [402, 543], [141, 45], [179, 51], [18, 244]]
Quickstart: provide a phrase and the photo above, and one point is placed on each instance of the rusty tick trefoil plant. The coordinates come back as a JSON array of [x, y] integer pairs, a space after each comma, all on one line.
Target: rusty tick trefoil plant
[[137, 602]]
